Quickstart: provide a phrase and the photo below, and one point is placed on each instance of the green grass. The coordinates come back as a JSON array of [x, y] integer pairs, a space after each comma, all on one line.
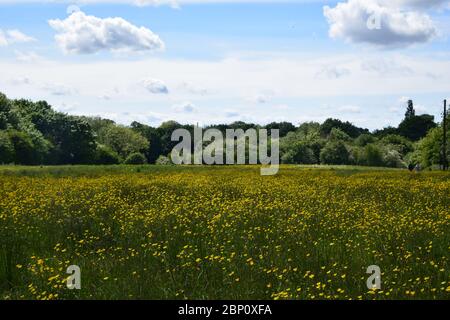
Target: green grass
[[223, 232]]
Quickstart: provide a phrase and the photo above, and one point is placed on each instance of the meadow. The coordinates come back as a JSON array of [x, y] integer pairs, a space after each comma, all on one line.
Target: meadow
[[166, 232]]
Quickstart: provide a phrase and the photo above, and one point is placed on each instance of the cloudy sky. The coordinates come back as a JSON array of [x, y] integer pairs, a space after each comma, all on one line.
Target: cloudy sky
[[211, 61]]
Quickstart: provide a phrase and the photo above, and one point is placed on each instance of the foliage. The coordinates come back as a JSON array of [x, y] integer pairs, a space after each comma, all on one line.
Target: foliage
[[122, 140], [346, 127], [371, 156], [135, 158], [104, 155], [301, 153], [416, 127], [430, 148], [24, 151], [7, 153], [50, 137], [163, 160], [151, 134], [365, 139], [334, 153], [284, 127]]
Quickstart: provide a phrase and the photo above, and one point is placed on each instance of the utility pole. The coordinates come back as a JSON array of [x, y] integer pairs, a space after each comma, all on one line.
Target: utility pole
[[444, 144]]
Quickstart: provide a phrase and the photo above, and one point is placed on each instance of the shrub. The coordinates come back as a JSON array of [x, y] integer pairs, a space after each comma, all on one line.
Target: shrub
[[393, 159], [163, 160], [300, 153], [334, 153], [373, 156], [136, 158], [105, 155], [364, 140]]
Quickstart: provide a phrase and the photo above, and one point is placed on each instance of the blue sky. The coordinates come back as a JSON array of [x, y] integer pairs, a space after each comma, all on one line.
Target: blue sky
[[219, 62]]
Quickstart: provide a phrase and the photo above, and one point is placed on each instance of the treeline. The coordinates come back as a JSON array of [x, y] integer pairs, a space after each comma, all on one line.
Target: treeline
[[32, 133]]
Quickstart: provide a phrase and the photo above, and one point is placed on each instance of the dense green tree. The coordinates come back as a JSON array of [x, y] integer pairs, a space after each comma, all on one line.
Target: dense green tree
[[104, 155], [309, 128], [151, 134], [398, 143], [416, 127], [284, 127], [371, 156], [122, 140], [165, 131], [7, 117], [338, 135], [97, 123], [300, 153], [334, 153], [430, 148], [364, 140], [385, 131], [410, 111], [24, 151], [34, 133], [73, 140], [7, 154], [350, 129]]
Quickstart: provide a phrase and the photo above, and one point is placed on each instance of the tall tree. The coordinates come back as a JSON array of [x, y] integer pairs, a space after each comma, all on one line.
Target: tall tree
[[151, 134], [410, 112], [416, 127]]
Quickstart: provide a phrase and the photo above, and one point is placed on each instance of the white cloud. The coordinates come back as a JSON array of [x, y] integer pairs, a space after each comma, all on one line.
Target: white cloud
[[141, 3], [27, 57], [58, 89], [155, 86], [350, 109], [9, 37], [258, 98], [422, 4], [386, 67], [105, 97], [397, 28], [83, 34], [229, 81], [15, 36], [186, 107], [333, 72], [3, 41], [193, 88], [21, 80], [232, 114]]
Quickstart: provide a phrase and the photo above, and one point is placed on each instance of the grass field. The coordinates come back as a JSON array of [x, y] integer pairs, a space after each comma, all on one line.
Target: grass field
[[154, 232]]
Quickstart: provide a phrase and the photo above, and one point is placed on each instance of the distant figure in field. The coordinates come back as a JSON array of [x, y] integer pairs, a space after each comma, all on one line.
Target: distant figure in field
[[418, 168], [411, 167]]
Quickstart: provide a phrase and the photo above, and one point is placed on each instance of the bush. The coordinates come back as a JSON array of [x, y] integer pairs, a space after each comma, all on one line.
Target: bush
[[373, 156], [338, 135], [401, 144], [135, 158], [25, 152], [364, 140], [6, 149], [430, 148], [334, 153], [393, 159], [105, 155], [163, 160], [299, 153]]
